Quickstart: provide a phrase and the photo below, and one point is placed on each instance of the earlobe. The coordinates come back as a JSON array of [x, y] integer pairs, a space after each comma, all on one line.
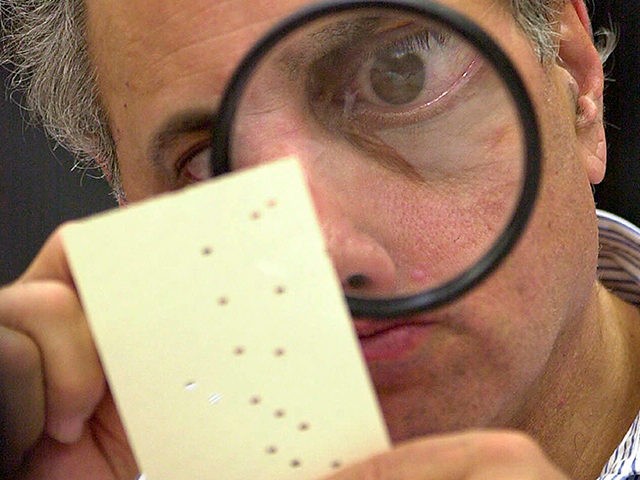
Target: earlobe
[[580, 59]]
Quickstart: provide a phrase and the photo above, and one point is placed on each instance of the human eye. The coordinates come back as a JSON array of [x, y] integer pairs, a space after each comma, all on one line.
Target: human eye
[[195, 164], [392, 79]]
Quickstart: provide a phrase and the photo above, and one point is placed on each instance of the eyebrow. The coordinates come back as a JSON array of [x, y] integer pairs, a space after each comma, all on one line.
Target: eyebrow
[[315, 43], [178, 125]]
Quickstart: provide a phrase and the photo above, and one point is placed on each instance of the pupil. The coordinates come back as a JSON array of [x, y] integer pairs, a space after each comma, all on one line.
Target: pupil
[[396, 77]]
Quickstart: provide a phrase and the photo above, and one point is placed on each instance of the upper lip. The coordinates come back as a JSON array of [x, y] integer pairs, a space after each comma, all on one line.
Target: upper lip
[[367, 327]]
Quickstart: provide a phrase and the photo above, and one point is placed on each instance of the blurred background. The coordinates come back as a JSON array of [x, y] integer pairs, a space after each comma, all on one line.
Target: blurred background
[[38, 190]]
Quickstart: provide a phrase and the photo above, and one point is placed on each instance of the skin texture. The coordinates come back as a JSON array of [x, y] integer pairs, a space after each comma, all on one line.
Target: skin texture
[[538, 361]]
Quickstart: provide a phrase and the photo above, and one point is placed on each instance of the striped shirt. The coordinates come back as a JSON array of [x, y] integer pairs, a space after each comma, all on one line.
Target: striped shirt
[[619, 271]]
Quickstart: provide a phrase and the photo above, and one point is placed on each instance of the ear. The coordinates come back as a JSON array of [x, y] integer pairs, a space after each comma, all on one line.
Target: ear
[[578, 56]]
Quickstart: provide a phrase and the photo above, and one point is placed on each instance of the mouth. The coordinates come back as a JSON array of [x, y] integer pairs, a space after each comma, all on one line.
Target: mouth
[[392, 340]]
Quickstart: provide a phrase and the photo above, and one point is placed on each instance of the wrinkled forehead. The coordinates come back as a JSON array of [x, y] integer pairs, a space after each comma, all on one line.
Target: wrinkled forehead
[[151, 32], [152, 35]]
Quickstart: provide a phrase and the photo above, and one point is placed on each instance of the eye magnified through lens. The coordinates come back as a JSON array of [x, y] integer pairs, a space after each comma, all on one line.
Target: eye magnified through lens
[[416, 127]]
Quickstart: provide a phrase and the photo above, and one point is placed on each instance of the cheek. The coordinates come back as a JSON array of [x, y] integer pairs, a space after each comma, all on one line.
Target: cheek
[[469, 179], [493, 346], [441, 225]]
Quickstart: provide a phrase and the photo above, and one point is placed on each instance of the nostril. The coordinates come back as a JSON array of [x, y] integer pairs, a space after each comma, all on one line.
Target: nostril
[[358, 281]]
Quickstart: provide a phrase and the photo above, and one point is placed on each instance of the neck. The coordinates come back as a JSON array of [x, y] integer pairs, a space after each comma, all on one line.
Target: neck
[[585, 404]]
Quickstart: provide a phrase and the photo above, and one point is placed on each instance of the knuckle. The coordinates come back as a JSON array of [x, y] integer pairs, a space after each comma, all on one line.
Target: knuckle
[[33, 307], [60, 300]]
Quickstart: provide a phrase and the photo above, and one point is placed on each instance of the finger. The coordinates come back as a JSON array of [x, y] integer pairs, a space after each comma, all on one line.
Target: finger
[[432, 458], [50, 314], [21, 397], [464, 456], [73, 374]]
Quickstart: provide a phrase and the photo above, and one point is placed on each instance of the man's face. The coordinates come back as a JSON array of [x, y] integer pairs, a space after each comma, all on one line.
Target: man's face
[[162, 68]]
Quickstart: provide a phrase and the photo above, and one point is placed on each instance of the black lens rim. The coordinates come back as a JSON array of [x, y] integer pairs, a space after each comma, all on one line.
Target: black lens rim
[[462, 283]]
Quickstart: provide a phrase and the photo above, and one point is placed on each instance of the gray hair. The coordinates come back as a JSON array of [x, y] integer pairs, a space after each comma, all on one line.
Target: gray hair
[[43, 43], [537, 18]]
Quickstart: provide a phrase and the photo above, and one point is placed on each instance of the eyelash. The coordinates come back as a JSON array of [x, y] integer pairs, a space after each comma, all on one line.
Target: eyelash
[[184, 160]]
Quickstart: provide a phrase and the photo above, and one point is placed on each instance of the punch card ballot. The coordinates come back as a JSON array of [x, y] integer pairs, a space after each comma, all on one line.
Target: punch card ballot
[[224, 333]]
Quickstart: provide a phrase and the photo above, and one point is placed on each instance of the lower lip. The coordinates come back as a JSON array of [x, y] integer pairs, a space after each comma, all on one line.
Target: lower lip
[[395, 344]]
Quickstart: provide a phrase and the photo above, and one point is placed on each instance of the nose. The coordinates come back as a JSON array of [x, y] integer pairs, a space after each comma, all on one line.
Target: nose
[[270, 126], [363, 265]]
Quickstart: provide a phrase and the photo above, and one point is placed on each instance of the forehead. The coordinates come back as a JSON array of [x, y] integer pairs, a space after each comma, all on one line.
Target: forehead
[[167, 34], [163, 35], [156, 57]]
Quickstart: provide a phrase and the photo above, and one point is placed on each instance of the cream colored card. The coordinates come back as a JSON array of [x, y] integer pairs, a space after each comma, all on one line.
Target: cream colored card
[[224, 333]]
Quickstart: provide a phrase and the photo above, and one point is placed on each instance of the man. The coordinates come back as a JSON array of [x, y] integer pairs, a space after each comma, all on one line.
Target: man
[[539, 384]]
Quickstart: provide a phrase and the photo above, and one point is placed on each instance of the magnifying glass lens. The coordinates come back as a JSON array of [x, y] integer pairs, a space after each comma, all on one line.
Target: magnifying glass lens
[[408, 133]]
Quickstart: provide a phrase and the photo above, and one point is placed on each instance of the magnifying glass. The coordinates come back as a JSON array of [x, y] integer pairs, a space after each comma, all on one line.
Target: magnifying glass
[[417, 125]]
